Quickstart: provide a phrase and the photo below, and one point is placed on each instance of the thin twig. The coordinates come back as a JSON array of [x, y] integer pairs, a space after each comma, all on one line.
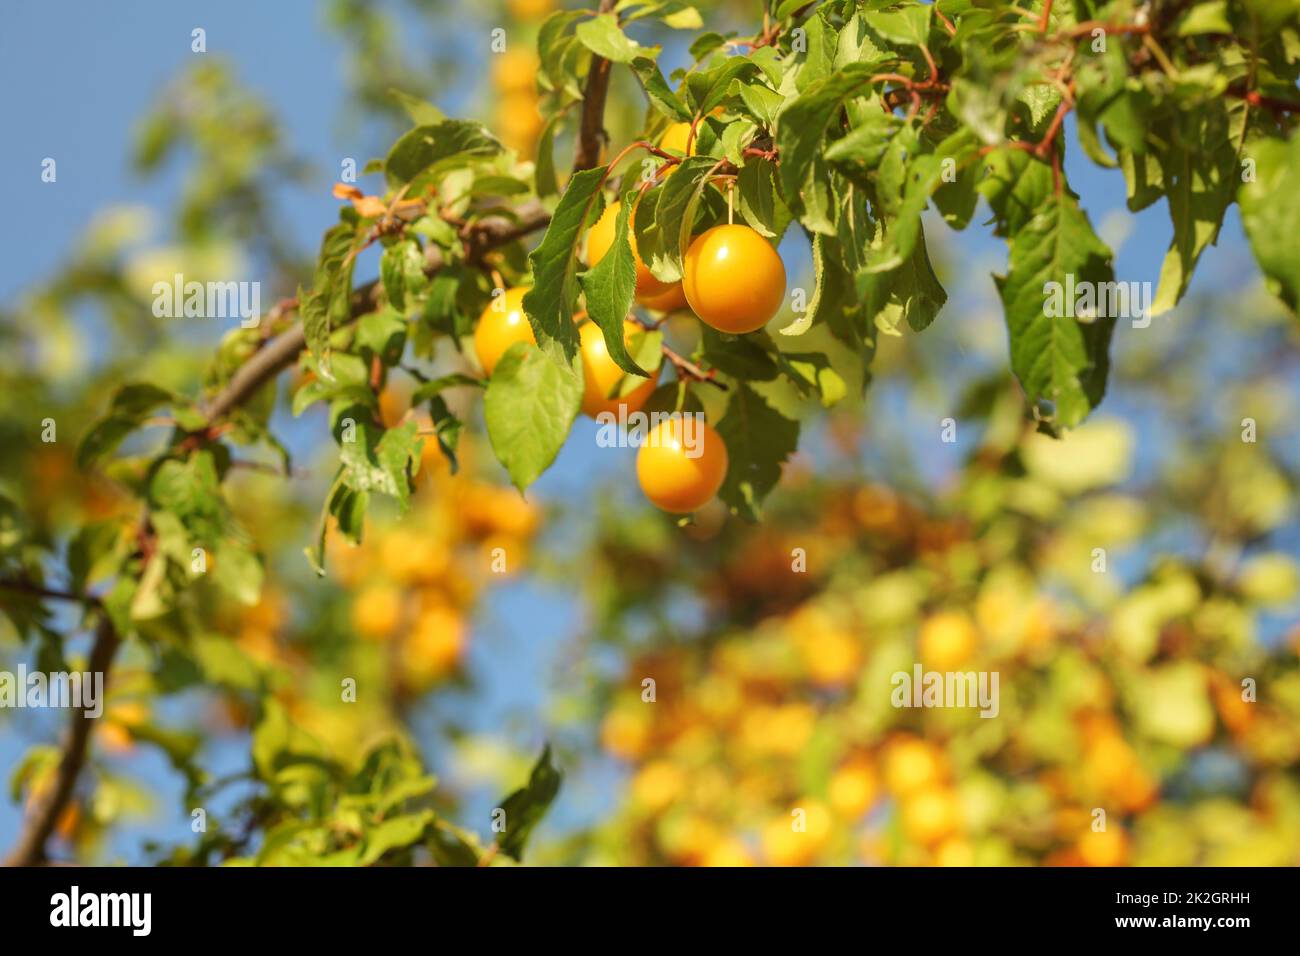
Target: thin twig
[[591, 127], [48, 807], [688, 369]]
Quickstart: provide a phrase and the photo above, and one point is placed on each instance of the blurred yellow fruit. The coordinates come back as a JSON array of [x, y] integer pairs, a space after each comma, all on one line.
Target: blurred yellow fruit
[[784, 845], [625, 732], [434, 646], [519, 120], [601, 376], [392, 407], [377, 611], [487, 509], [833, 658], [930, 815], [831, 654], [910, 765], [656, 785], [728, 852], [410, 556], [954, 852], [115, 731], [782, 729], [947, 640], [530, 9], [515, 71], [1110, 847], [853, 789]]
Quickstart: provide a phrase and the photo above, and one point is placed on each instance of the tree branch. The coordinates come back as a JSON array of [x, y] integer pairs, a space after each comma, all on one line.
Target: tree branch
[[48, 807], [481, 237], [591, 129]]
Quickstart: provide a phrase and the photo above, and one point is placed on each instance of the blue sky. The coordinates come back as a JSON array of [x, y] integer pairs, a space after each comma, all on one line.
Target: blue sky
[[76, 77]]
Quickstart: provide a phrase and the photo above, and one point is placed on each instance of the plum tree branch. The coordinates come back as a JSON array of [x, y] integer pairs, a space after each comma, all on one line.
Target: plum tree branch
[[591, 127], [48, 806], [479, 238]]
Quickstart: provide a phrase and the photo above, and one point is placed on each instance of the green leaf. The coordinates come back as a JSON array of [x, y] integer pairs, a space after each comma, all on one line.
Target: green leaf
[[529, 407], [707, 89], [907, 26], [545, 180], [758, 203], [741, 356], [657, 89], [525, 807], [381, 335], [1201, 175], [823, 283], [238, 572], [1205, 18], [910, 293], [811, 371], [819, 58], [1061, 361], [763, 104], [609, 287], [864, 146], [380, 460], [905, 182], [130, 406], [672, 13], [662, 214], [421, 112], [395, 833], [1016, 186], [437, 147], [602, 35], [758, 439], [1270, 212], [803, 123], [447, 425], [191, 490], [549, 303], [330, 303], [401, 268]]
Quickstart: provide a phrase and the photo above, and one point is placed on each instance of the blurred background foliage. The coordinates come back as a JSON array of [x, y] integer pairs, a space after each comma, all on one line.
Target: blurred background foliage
[[1121, 690]]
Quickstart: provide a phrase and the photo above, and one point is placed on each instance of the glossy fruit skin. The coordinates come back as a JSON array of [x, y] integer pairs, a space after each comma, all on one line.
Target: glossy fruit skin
[[600, 374], [733, 278], [599, 240], [501, 325], [673, 481]]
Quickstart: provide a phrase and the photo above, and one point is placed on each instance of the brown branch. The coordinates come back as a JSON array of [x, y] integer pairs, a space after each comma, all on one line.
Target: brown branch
[[1047, 14], [688, 369], [1111, 29], [48, 807], [38, 590], [489, 232], [591, 128], [279, 353]]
